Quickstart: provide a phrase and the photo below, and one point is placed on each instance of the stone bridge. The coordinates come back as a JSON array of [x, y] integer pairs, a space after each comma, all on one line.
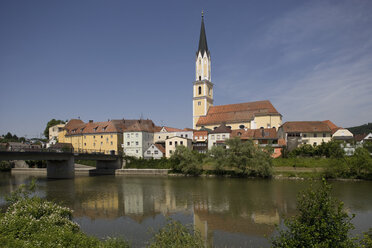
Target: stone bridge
[[61, 164]]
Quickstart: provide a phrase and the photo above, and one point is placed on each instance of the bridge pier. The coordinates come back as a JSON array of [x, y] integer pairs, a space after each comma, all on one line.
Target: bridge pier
[[109, 164], [61, 169]]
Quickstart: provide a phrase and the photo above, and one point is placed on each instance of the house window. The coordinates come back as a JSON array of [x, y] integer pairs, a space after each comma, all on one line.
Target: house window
[[186, 135], [111, 136], [212, 137], [167, 137], [196, 137], [175, 143], [304, 135], [241, 126], [170, 152], [218, 136], [112, 143], [136, 151], [94, 136], [200, 90], [170, 143], [181, 142], [136, 134], [107, 140], [239, 133], [94, 144], [148, 152], [156, 152], [314, 144], [181, 135], [128, 135], [101, 143], [159, 137], [324, 135], [128, 143], [315, 135], [223, 136], [85, 144], [136, 143], [199, 103]]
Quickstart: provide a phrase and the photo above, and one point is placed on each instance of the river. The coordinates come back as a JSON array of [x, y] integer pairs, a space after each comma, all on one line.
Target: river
[[229, 212]]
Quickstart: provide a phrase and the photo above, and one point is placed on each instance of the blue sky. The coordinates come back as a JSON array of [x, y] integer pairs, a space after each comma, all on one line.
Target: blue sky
[[126, 59]]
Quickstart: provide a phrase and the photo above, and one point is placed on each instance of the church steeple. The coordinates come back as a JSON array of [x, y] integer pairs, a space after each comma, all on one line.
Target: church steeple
[[203, 87], [203, 46]]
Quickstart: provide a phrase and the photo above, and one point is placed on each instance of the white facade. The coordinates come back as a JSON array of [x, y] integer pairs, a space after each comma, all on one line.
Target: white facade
[[163, 135], [136, 143], [153, 152], [172, 143], [216, 138], [55, 130]]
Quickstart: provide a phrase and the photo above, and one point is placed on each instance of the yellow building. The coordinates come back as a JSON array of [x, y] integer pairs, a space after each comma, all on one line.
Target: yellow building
[[105, 137], [251, 115]]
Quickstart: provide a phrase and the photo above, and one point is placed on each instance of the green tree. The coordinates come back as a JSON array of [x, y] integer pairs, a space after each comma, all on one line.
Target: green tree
[[321, 222], [186, 161], [50, 124]]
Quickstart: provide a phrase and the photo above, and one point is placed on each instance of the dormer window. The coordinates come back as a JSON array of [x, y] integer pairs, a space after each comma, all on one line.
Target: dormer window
[[104, 128], [241, 126]]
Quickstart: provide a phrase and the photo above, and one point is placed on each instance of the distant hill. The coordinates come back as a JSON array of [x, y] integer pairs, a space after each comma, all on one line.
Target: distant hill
[[366, 128]]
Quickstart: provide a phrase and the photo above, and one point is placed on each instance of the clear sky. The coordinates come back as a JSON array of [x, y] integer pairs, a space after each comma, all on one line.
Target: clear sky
[[116, 59]]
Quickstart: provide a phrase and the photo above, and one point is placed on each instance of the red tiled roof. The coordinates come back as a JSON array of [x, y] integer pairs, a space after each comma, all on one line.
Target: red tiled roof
[[332, 126], [360, 137], [161, 148], [75, 127], [262, 133], [241, 112], [141, 126], [306, 127], [222, 129], [172, 129]]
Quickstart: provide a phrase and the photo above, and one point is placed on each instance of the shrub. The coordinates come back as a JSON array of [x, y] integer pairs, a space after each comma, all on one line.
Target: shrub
[[35, 222], [174, 234], [321, 222], [186, 161], [5, 166]]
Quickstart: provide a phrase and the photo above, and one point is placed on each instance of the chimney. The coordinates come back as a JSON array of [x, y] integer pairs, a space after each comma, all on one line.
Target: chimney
[[90, 121], [245, 129]]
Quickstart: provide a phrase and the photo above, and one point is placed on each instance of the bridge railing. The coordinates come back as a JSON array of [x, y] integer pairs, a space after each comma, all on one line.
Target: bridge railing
[[59, 150]]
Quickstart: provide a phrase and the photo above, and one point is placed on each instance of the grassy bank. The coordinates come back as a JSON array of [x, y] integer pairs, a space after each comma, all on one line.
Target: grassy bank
[[302, 162]]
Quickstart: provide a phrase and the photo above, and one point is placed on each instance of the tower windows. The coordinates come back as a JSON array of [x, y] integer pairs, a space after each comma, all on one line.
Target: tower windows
[[199, 78], [199, 103], [199, 90]]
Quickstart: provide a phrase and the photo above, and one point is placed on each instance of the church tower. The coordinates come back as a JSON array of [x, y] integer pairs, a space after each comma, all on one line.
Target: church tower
[[203, 87]]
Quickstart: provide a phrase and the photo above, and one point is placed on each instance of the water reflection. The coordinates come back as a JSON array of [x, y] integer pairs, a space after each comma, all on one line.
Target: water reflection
[[227, 212]]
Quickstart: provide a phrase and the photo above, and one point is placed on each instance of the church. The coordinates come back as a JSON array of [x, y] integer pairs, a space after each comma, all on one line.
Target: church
[[248, 115]]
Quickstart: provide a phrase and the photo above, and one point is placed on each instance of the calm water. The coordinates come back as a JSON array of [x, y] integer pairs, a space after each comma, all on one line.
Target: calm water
[[228, 212]]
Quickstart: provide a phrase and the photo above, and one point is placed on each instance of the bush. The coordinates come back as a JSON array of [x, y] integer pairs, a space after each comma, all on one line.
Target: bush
[[34, 222], [321, 222], [5, 166], [140, 163], [174, 234], [186, 161]]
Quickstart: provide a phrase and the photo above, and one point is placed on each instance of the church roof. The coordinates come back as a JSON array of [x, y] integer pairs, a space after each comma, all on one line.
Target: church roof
[[203, 46], [234, 113]]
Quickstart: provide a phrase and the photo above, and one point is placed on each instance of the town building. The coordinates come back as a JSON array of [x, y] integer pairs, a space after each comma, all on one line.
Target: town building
[[218, 136], [296, 133], [138, 137], [155, 151], [251, 115], [200, 140], [95, 137], [165, 133], [55, 130], [172, 143]]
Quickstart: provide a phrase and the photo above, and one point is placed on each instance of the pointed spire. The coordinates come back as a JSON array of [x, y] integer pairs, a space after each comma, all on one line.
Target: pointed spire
[[203, 47]]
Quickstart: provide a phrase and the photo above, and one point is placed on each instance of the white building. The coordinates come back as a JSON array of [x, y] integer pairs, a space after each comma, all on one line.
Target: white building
[[218, 136], [169, 132], [155, 151], [138, 137], [172, 143]]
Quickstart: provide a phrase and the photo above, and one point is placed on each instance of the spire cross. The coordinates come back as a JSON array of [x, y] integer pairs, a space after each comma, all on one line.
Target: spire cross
[[202, 13]]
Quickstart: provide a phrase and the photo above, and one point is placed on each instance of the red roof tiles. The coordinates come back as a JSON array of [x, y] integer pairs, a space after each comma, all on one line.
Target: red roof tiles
[[232, 113]]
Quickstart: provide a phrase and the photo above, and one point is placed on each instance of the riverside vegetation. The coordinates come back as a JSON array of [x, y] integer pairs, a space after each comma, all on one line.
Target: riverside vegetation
[[30, 221], [241, 159]]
